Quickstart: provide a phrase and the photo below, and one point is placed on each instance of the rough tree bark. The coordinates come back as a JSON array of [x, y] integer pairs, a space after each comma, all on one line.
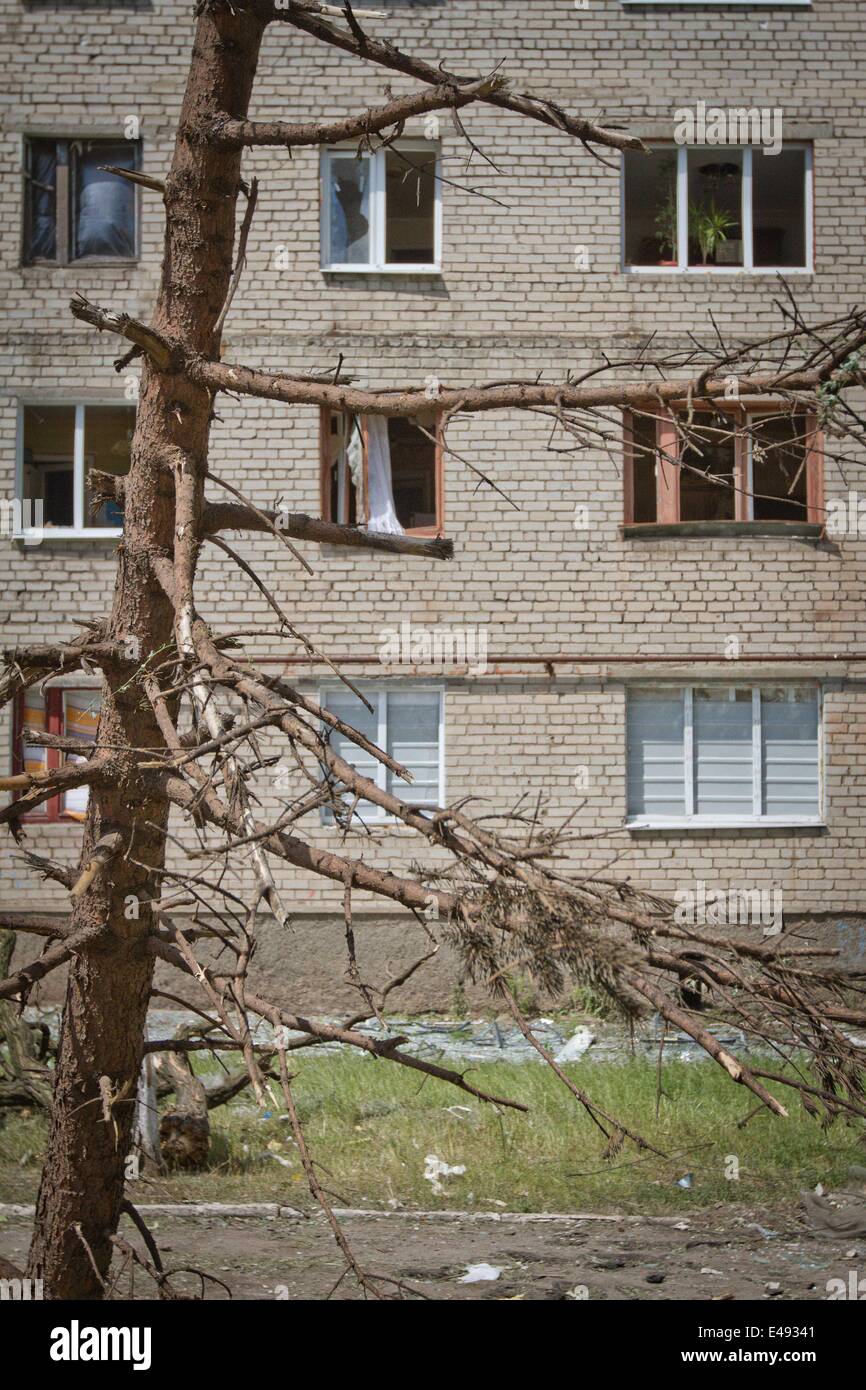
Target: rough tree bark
[[109, 982]]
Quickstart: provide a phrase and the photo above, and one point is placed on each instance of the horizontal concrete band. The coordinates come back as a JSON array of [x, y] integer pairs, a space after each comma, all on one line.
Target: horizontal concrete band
[[11, 1210]]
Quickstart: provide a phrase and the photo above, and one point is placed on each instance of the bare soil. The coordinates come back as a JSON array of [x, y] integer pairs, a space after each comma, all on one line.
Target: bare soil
[[719, 1253]]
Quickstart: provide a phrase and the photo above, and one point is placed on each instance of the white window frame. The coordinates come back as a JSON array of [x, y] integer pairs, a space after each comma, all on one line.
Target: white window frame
[[377, 265], [748, 267], [377, 695], [740, 821], [80, 460]]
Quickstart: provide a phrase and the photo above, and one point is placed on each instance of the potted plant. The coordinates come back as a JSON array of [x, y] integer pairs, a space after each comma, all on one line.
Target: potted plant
[[709, 226]]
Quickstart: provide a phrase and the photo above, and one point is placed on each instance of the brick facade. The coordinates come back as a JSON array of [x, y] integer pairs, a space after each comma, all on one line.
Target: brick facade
[[508, 303]]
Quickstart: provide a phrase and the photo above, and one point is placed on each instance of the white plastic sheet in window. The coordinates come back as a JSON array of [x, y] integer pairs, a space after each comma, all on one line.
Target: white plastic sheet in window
[[104, 216]]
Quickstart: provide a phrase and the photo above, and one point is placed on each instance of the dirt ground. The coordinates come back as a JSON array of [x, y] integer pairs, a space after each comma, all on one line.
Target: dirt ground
[[720, 1253]]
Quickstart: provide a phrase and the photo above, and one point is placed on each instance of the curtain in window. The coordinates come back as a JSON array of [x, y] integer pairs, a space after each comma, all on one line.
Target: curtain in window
[[81, 709], [350, 211], [35, 717], [355, 458], [105, 204], [43, 217], [382, 511]]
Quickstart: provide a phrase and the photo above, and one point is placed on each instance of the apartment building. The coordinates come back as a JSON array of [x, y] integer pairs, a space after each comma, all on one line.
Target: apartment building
[[675, 665]]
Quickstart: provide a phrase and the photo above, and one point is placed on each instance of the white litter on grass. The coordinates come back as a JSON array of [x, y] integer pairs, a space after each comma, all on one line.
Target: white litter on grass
[[478, 1274], [435, 1168], [579, 1042]]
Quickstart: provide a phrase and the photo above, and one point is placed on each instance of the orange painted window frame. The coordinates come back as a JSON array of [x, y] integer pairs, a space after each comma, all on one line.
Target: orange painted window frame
[[52, 809], [668, 474], [325, 414]]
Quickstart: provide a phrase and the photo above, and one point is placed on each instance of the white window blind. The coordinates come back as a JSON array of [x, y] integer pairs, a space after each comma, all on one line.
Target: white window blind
[[656, 753], [408, 725], [724, 755]]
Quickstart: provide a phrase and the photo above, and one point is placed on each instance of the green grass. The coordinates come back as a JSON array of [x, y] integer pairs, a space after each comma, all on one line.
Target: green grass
[[370, 1124]]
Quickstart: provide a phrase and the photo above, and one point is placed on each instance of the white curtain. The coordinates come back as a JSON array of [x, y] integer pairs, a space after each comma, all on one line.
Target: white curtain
[[383, 513], [355, 455]]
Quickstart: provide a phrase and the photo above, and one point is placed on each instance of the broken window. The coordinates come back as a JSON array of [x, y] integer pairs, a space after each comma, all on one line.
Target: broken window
[[778, 468], [723, 755], [383, 474], [742, 466], [60, 446], [73, 209], [717, 208], [70, 711], [381, 211], [708, 472]]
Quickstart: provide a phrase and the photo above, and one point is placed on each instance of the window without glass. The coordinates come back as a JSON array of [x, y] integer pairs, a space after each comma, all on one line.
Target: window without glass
[[746, 466], [382, 211], [69, 712], [408, 725], [717, 208], [60, 446], [73, 209], [723, 755], [383, 474]]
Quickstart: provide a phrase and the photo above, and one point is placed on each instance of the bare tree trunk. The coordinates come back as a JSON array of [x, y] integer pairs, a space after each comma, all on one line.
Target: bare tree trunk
[[109, 981]]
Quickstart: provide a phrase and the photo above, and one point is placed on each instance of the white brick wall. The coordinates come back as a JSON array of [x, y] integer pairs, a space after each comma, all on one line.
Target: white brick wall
[[508, 303]]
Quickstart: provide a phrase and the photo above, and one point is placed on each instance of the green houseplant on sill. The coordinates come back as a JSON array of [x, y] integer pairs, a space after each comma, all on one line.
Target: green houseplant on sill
[[709, 226]]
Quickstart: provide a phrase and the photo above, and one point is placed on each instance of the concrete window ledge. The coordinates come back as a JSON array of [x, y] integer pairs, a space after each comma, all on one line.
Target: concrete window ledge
[[703, 824], [702, 530]]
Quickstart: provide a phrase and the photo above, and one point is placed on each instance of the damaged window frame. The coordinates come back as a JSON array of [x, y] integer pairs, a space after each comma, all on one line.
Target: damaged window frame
[[359, 422], [377, 263], [65, 199], [744, 415]]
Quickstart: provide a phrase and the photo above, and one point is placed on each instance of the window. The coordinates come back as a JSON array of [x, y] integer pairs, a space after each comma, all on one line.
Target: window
[[383, 474], [742, 466], [72, 712], [717, 208], [724, 755], [408, 724], [73, 210], [382, 211], [59, 446]]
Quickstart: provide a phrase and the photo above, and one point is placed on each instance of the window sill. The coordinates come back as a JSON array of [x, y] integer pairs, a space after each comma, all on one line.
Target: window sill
[[121, 262], [381, 269], [66, 533], [637, 823], [704, 270], [685, 530]]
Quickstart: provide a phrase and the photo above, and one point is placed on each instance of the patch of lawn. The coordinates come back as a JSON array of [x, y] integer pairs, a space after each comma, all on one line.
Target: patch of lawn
[[370, 1126]]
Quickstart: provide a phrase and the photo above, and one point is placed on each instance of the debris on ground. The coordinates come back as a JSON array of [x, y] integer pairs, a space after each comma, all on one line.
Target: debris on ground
[[435, 1169], [480, 1274]]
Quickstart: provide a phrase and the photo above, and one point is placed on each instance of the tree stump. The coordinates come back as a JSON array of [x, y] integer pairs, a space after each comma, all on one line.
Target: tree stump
[[184, 1131]]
